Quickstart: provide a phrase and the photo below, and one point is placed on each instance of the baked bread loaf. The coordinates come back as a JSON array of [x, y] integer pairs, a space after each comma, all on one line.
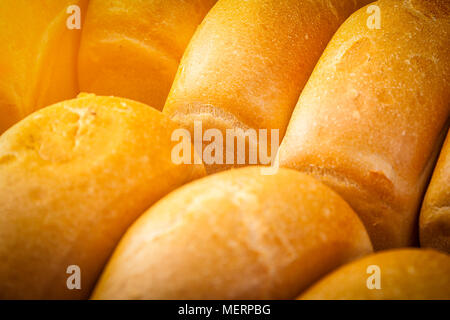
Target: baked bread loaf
[[38, 56], [248, 62], [401, 274], [132, 48], [235, 235], [372, 117], [73, 177], [435, 215]]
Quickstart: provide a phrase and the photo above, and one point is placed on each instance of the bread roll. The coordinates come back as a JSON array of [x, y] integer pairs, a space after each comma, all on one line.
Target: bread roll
[[73, 177], [248, 62], [38, 55], [132, 48], [372, 117], [401, 274], [235, 235], [435, 215]]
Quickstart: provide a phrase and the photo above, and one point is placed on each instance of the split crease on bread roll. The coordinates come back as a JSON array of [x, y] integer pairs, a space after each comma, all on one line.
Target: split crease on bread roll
[[73, 177], [248, 62], [434, 228], [235, 235], [401, 274], [38, 56], [132, 48], [371, 120]]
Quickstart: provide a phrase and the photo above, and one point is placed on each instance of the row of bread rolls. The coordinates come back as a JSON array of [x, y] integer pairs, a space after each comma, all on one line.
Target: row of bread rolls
[[372, 117], [364, 68], [262, 237], [126, 48], [258, 54], [75, 175], [359, 124]]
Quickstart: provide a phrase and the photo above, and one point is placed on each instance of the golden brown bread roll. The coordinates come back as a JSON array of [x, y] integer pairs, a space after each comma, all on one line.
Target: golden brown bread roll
[[132, 48], [248, 62], [401, 274], [73, 177], [435, 215], [372, 117], [38, 56], [235, 235]]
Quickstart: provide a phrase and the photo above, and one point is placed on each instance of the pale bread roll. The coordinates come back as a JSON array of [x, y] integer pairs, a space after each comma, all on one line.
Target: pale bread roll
[[435, 215], [235, 235], [401, 274], [73, 177], [372, 117], [248, 62]]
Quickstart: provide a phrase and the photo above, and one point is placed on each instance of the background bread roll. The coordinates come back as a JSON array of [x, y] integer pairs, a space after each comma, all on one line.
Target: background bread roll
[[372, 117], [132, 48], [235, 235], [249, 60], [404, 274], [73, 177], [38, 56], [435, 215]]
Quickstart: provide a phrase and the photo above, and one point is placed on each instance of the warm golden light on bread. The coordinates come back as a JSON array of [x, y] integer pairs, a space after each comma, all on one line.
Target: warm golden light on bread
[[73, 177], [235, 235]]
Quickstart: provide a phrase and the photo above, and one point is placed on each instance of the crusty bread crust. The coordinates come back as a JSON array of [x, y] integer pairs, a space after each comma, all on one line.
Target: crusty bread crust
[[434, 228], [372, 117], [132, 48], [73, 177], [249, 60], [235, 235]]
